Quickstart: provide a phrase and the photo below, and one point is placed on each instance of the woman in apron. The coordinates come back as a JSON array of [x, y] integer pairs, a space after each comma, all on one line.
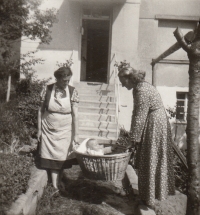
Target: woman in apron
[[58, 124]]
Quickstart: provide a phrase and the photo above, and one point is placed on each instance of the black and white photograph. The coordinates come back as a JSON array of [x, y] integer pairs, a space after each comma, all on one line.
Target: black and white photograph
[[99, 107]]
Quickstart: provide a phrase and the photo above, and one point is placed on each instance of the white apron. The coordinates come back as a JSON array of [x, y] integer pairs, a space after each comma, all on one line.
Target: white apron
[[56, 141]]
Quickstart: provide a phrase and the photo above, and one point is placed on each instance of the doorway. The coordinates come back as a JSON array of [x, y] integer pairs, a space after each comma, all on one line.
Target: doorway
[[94, 50]]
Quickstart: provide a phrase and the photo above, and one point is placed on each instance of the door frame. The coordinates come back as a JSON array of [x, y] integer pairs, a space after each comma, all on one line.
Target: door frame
[[109, 38]]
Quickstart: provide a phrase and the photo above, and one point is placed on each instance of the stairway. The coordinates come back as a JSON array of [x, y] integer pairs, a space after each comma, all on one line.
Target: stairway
[[97, 112]]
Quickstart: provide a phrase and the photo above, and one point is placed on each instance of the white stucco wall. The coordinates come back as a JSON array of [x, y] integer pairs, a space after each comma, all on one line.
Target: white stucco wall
[[125, 26], [168, 95], [66, 37], [126, 107]]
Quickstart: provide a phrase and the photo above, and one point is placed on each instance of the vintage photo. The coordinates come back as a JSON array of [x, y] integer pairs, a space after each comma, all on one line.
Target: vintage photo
[[99, 107]]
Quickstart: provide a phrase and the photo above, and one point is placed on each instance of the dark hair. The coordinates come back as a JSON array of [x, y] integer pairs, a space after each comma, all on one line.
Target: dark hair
[[63, 72], [132, 74]]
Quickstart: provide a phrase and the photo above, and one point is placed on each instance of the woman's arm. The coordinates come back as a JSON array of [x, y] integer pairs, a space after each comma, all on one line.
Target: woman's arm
[[75, 121], [141, 109], [40, 113]]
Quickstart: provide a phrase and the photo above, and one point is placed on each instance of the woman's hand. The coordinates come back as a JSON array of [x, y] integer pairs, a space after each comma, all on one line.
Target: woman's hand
[[39, 133]]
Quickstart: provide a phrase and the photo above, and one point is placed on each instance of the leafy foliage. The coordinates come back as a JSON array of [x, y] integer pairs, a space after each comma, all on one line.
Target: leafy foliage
[[28, 94], [14, 175], [125, 139], [181, 174], [23, 18], [19, 118], [67, 63], [122, 65], [13, 132], [171, 112]]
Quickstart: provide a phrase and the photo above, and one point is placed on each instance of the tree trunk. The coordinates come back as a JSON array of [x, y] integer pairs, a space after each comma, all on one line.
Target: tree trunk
[[193, 50], [193, 204], [8, 89]]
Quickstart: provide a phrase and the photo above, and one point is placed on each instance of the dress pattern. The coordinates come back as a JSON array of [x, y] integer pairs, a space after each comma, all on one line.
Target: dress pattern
[[61, 93], [150, 126]]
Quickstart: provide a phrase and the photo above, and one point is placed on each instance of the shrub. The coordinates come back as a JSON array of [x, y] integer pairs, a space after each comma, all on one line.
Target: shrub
[[14, 175], [13, 132], [181, 174], [18, 118], [28, 95]]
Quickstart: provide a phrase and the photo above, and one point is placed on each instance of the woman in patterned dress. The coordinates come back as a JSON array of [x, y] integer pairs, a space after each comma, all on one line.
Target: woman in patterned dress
[[150, 128], [57, 118]]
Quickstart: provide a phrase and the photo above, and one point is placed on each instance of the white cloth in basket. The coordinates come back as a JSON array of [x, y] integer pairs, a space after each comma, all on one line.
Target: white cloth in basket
[[82, 148]]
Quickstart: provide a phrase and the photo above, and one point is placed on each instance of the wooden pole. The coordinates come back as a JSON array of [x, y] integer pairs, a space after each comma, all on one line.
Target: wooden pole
[[154, 75], [168, 52]]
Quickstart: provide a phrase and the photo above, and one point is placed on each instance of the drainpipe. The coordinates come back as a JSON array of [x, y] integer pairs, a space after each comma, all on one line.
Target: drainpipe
[[153, 74]]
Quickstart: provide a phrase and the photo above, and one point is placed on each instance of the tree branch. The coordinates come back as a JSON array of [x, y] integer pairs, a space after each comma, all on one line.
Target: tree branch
[[181, 40]]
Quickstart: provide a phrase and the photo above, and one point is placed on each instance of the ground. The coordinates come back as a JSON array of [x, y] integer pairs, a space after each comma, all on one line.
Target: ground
[[84, 196], [174, 205]]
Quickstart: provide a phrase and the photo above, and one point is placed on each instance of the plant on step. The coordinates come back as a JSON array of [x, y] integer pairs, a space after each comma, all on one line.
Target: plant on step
[[121, 65], [15, 172], [124, 139], [67, 63]]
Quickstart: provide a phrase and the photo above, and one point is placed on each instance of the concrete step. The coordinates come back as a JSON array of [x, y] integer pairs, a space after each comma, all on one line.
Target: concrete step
[[99, 139], [109, 133], [97, 104], [88, 97], [97, 117], [97, 124], [93, 85], [96, 110], [90, 91]]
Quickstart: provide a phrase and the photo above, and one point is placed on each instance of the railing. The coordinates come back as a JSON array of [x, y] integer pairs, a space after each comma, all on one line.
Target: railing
[[71, 66], [117, 93]]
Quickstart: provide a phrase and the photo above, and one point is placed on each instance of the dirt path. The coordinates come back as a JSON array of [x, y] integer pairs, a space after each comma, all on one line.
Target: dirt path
[[81, 194]]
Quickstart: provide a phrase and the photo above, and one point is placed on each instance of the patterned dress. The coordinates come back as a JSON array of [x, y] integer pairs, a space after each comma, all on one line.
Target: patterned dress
[[150, 127]]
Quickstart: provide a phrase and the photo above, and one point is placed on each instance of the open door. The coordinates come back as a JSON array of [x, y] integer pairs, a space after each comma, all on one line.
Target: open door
[[95, 49]]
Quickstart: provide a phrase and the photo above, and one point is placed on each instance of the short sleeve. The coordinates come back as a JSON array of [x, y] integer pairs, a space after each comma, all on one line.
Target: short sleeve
[[43, 93], [75, 96]]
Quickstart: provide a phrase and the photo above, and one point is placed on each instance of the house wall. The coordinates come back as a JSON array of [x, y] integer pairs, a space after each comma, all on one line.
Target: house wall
[[66, 36], [141, 30], [158, 20], [124, 39]]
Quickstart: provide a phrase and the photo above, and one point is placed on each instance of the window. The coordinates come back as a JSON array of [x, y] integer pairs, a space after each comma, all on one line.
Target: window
[[181, 105]]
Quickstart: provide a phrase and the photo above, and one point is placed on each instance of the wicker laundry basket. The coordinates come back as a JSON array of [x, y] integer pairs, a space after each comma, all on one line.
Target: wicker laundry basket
[[104, 167]]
